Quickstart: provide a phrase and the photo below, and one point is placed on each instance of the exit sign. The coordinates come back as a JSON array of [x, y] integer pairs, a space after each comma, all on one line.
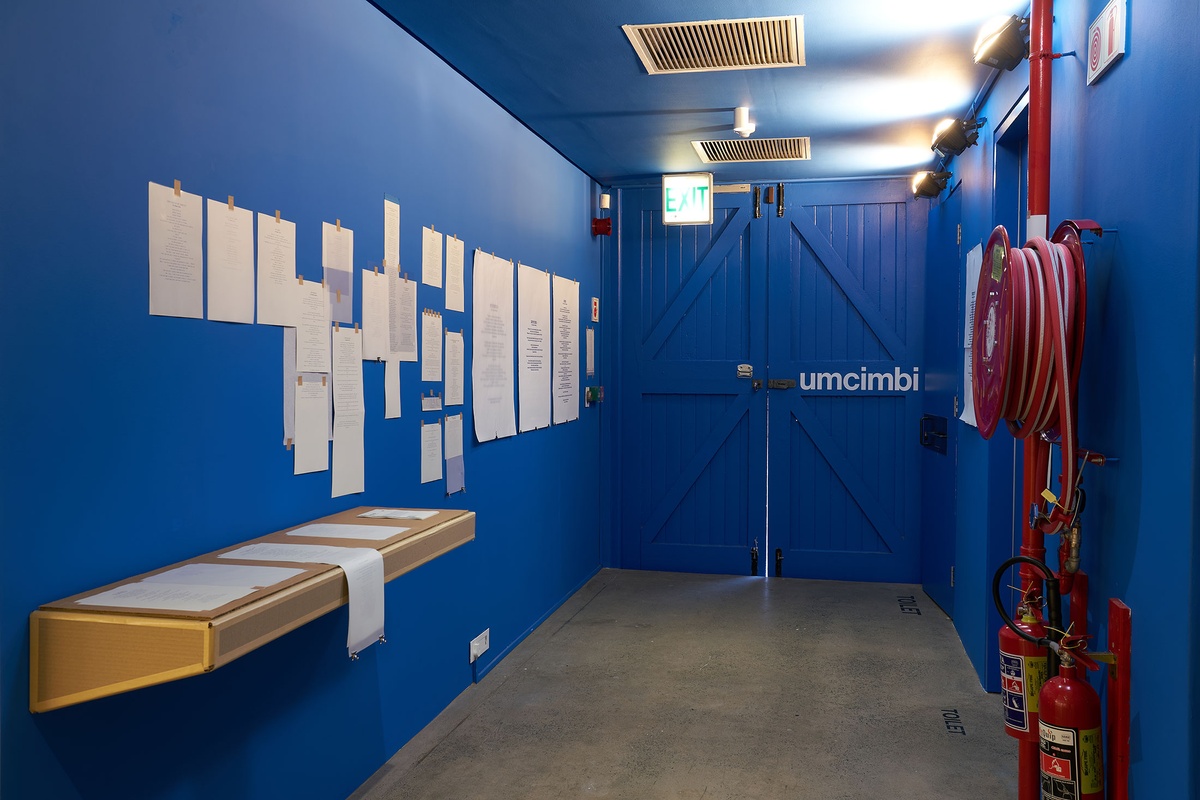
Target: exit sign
[[1106, 40], [687, 199]]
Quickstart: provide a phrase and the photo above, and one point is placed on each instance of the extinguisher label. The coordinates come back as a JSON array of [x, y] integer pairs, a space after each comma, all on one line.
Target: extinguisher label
[[1070, 763], [1060, 763], [1021, 678], [1012, 691], [1037, 670], [1091, 767]]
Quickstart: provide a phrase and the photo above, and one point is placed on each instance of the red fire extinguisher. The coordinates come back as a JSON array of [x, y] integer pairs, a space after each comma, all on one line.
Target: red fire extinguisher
[[1071, 762], [1023, 671], [1025, 661]]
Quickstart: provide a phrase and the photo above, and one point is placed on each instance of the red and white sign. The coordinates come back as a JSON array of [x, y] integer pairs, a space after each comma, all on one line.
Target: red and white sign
[[1058, 767], [595, 309], [1106, 40]]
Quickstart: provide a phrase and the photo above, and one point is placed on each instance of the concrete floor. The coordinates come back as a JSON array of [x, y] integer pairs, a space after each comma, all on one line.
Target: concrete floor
[[665, 685]]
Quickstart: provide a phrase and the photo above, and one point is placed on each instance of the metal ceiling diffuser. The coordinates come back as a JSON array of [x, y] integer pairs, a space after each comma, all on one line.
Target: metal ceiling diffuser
[[719, 44], [716, 151]]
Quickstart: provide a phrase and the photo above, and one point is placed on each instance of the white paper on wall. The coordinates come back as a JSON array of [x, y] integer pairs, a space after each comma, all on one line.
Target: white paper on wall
[[533, 355], [311, 426], [348, 412], [431, 452], [312, 328], [492, 389], [376, 316], [230, 263], [276, 271], [455, 300], [455, 365], [391, 389], [431, 257], [431, 346], [566, 350], [456, 478], [337, 257], [403, 305], [176, 253], [391, 232]]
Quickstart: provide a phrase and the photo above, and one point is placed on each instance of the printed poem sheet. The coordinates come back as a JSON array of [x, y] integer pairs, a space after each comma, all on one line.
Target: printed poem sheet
[[348, 412], [533, 328], [492, 357], [176, 253], [566, 350]]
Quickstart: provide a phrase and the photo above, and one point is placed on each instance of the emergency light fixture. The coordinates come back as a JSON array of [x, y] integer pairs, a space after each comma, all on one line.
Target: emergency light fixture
[[952, 136], [929, 184], [1003, 43], [687, 199]]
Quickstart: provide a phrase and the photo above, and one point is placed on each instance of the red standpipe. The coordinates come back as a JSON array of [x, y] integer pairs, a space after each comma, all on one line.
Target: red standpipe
[[1041, 49], [1036, 451]]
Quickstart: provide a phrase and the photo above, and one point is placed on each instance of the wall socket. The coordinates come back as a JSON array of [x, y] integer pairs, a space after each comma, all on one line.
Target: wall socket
[[480, 644]]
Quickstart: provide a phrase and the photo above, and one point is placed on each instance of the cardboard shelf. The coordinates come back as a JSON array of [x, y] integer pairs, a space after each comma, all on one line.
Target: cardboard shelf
[[83, 652]]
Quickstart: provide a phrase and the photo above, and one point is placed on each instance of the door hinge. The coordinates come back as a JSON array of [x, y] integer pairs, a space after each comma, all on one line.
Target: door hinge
[[956, 406], [951, 576], [959, 234]]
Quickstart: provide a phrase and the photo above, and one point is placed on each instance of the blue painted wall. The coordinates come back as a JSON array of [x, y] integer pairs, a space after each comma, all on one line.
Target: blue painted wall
[[1125, 153], [132, 442]]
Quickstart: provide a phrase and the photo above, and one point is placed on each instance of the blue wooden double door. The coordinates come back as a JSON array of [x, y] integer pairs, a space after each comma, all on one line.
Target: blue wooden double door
[[770, 384]]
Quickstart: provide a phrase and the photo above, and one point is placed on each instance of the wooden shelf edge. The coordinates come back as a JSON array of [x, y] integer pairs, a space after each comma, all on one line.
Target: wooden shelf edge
[[82, 654]]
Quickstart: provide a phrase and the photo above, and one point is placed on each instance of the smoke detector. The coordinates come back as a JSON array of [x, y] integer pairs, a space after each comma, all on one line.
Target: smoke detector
[[742, 125]]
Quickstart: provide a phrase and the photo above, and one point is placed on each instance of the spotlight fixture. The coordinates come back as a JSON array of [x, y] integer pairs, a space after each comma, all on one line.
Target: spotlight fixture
[[1003, 43], [952, 136], [929, 184]]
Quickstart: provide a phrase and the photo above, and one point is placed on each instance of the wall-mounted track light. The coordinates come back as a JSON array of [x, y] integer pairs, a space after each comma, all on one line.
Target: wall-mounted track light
[[952, 136], [929, 184], [1003, 43]]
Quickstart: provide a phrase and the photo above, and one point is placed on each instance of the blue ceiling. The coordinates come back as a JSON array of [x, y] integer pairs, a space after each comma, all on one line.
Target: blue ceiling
[[879, 75]]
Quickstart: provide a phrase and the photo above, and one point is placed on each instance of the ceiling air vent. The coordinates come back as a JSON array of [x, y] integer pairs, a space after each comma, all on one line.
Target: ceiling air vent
[[720, 151], [719, 44]]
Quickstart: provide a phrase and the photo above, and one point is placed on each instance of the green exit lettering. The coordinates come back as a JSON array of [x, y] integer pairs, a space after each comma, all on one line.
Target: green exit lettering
[[681, 200]]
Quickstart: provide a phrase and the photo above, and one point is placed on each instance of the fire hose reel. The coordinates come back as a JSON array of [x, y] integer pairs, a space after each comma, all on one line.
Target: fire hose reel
[[1030, 313]]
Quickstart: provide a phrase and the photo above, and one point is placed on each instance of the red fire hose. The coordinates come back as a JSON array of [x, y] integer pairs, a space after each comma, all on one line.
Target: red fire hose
[[1030, 313]]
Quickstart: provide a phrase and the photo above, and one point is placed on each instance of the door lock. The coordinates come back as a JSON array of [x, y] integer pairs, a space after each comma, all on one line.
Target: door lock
[[745, 371], [781, 383]]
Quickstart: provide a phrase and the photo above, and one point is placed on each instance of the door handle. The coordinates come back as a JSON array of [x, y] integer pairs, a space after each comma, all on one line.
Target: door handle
[[781, 383]]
